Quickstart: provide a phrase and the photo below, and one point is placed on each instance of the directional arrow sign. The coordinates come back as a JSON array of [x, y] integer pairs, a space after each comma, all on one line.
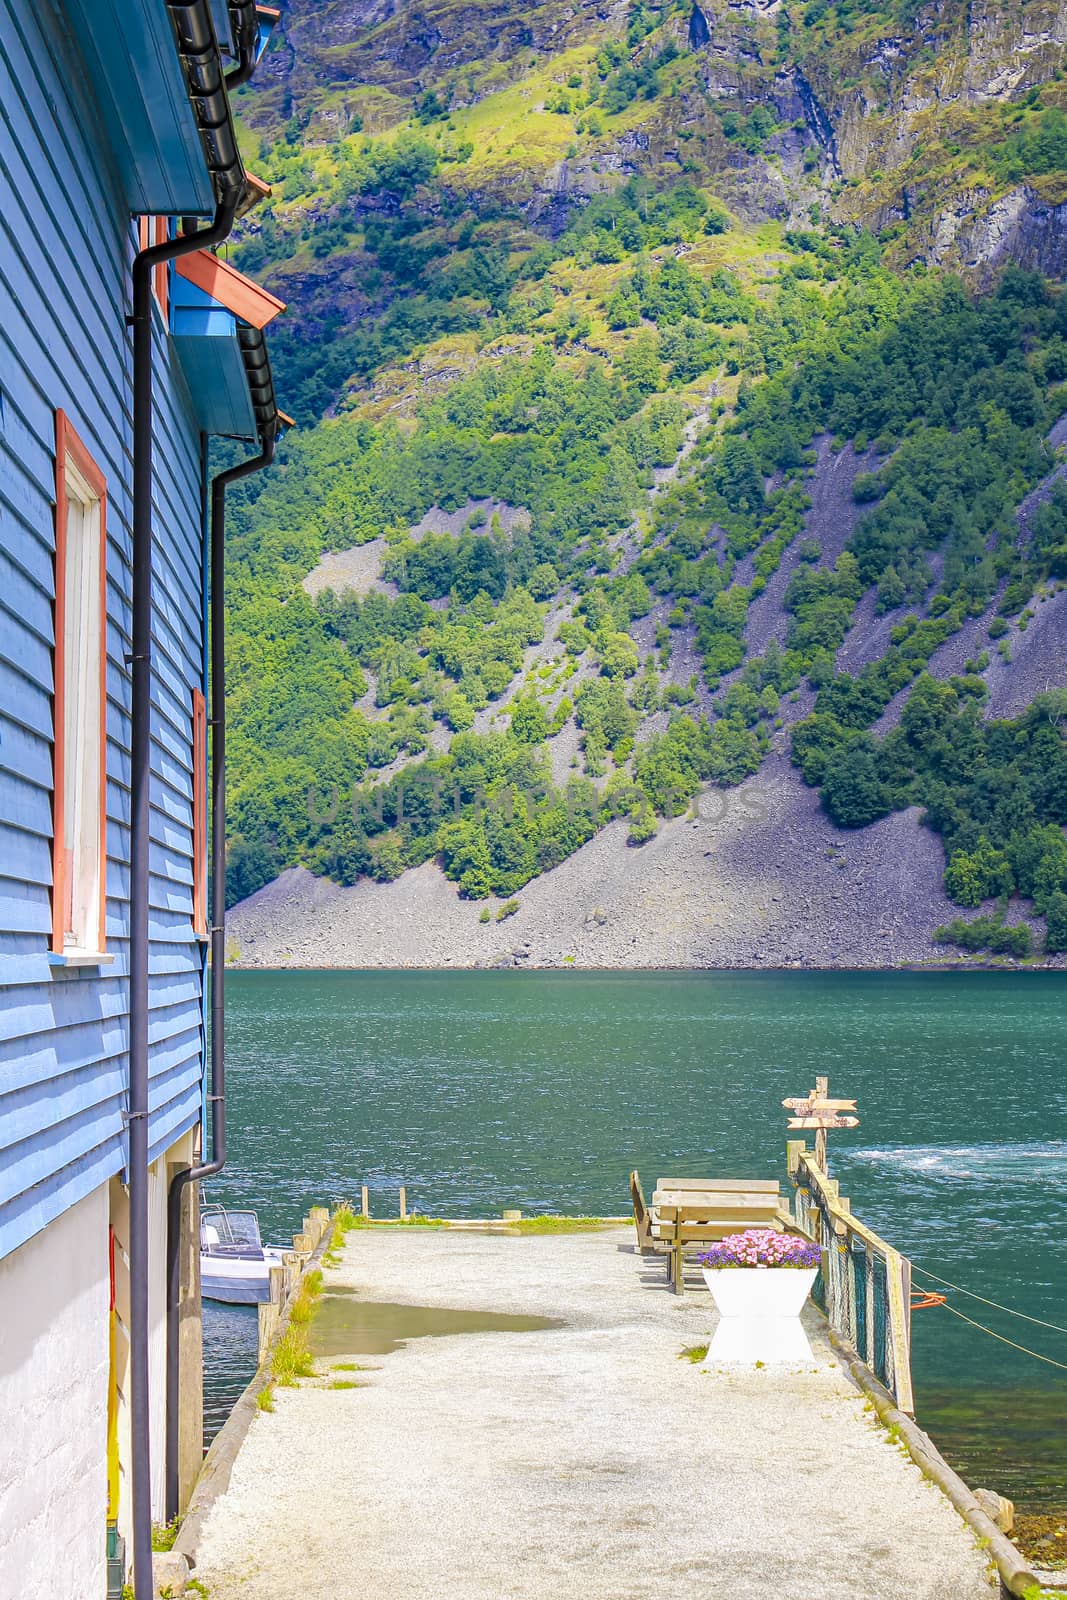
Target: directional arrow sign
[[816, 1103], [824, 1121]]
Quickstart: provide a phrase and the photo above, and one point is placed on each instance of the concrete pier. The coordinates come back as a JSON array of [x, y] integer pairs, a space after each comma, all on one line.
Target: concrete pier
[[586, 1460]]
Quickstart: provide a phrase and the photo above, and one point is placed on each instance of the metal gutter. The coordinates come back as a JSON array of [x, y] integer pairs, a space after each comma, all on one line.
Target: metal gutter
[[140, 802], [206, 82], [269, 420], [244, 24]]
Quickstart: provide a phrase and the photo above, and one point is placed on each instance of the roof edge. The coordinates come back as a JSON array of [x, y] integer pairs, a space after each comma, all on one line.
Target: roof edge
[[246, 299], [205, 81]]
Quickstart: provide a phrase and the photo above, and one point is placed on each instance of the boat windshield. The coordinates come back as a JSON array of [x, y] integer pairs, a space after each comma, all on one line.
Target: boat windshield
[[230, 1233]]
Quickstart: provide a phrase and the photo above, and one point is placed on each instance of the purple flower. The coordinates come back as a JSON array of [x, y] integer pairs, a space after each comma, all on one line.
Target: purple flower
[[762, 1247]]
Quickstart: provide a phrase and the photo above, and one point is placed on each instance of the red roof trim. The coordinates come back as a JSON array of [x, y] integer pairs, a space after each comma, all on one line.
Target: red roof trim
[[230, 288]]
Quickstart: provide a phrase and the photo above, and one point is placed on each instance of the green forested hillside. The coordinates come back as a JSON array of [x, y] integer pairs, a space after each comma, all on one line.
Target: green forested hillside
[[572, 305]]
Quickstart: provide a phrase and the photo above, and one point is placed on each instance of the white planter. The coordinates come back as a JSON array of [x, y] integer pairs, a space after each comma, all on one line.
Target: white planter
[[759, 1314]]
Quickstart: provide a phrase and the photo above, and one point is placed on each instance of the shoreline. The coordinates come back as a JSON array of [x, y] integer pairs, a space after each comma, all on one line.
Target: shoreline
[[795, 969]]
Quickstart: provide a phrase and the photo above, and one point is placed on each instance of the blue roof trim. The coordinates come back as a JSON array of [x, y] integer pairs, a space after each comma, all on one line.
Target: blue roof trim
[[215, 373], [131, 59], [207, 345], [267, 25], [208, 322]]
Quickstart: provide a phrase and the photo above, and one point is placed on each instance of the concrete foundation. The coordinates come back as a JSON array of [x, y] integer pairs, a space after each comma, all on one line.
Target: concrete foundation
[[585, 1459], [54, 1291], [60, 1358]]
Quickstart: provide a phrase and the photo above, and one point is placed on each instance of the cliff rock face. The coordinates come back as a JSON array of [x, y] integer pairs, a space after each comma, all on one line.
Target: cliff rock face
[[979, 233], [1011, 47], [879, 124], [340, 45], [899, 120], [913, 115]]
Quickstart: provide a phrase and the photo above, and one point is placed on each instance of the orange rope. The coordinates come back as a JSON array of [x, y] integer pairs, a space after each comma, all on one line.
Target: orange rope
[[1057, 1327]]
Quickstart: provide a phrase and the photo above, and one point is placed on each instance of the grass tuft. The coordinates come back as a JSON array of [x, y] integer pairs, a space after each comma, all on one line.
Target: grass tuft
[[693, 1353], [560, 1224], [292, 1358], [265, 1398], [304, 1305], [344, 1218]]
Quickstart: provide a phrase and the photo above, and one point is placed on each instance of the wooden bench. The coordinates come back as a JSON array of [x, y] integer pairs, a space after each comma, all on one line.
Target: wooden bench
[[689, 1213], [647, 1245]]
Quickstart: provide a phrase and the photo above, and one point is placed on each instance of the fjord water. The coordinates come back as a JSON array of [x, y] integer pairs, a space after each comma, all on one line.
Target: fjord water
[[542, 1090]]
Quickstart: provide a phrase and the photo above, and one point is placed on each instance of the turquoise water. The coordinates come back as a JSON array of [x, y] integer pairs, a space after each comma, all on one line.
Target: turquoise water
[[542, 1090]]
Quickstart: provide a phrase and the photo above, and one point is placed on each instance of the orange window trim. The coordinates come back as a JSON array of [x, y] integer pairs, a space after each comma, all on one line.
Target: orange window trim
[[199, 815], [155, 230], [69, 444]]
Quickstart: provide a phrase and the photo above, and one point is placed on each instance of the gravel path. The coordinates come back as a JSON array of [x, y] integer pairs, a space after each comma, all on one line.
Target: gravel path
[[585, 1460]]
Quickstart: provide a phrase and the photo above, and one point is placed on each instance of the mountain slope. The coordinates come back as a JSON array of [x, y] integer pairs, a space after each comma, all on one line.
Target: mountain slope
[[659, 444]]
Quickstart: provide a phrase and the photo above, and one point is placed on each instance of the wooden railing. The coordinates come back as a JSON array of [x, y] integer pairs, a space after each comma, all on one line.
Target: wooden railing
[[864, 1285]]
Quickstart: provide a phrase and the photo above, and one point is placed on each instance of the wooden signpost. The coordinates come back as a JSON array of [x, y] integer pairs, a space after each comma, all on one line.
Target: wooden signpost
[[817, 1111]]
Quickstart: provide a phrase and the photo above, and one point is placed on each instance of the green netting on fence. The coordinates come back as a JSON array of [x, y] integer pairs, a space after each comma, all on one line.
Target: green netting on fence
[[851, 1286]]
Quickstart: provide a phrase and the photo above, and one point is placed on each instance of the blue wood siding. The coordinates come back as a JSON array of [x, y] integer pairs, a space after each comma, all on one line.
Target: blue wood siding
[[66, 245]]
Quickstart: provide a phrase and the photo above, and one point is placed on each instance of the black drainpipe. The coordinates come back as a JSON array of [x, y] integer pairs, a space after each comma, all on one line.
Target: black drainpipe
[[194, 36], [217, 1097], [140, 768], [245, 27]]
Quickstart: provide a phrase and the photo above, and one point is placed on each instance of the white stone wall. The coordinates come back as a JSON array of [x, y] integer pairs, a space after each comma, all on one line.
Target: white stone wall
[[54, 1296], [54, 1330]]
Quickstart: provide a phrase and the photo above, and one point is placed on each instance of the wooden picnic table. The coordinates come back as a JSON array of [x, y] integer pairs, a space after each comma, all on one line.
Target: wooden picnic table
[[692, 1213]]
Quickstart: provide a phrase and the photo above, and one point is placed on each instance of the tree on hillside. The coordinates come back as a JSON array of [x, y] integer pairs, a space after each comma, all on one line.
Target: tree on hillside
[[736, 475], [852, 791], [978, 875], [528, 721]]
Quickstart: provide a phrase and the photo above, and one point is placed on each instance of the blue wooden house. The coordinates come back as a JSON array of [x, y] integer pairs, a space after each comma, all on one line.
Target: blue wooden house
[[118, 167]]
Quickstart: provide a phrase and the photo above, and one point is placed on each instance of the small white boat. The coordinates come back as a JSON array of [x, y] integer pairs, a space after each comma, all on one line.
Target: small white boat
[[234, 1262]]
